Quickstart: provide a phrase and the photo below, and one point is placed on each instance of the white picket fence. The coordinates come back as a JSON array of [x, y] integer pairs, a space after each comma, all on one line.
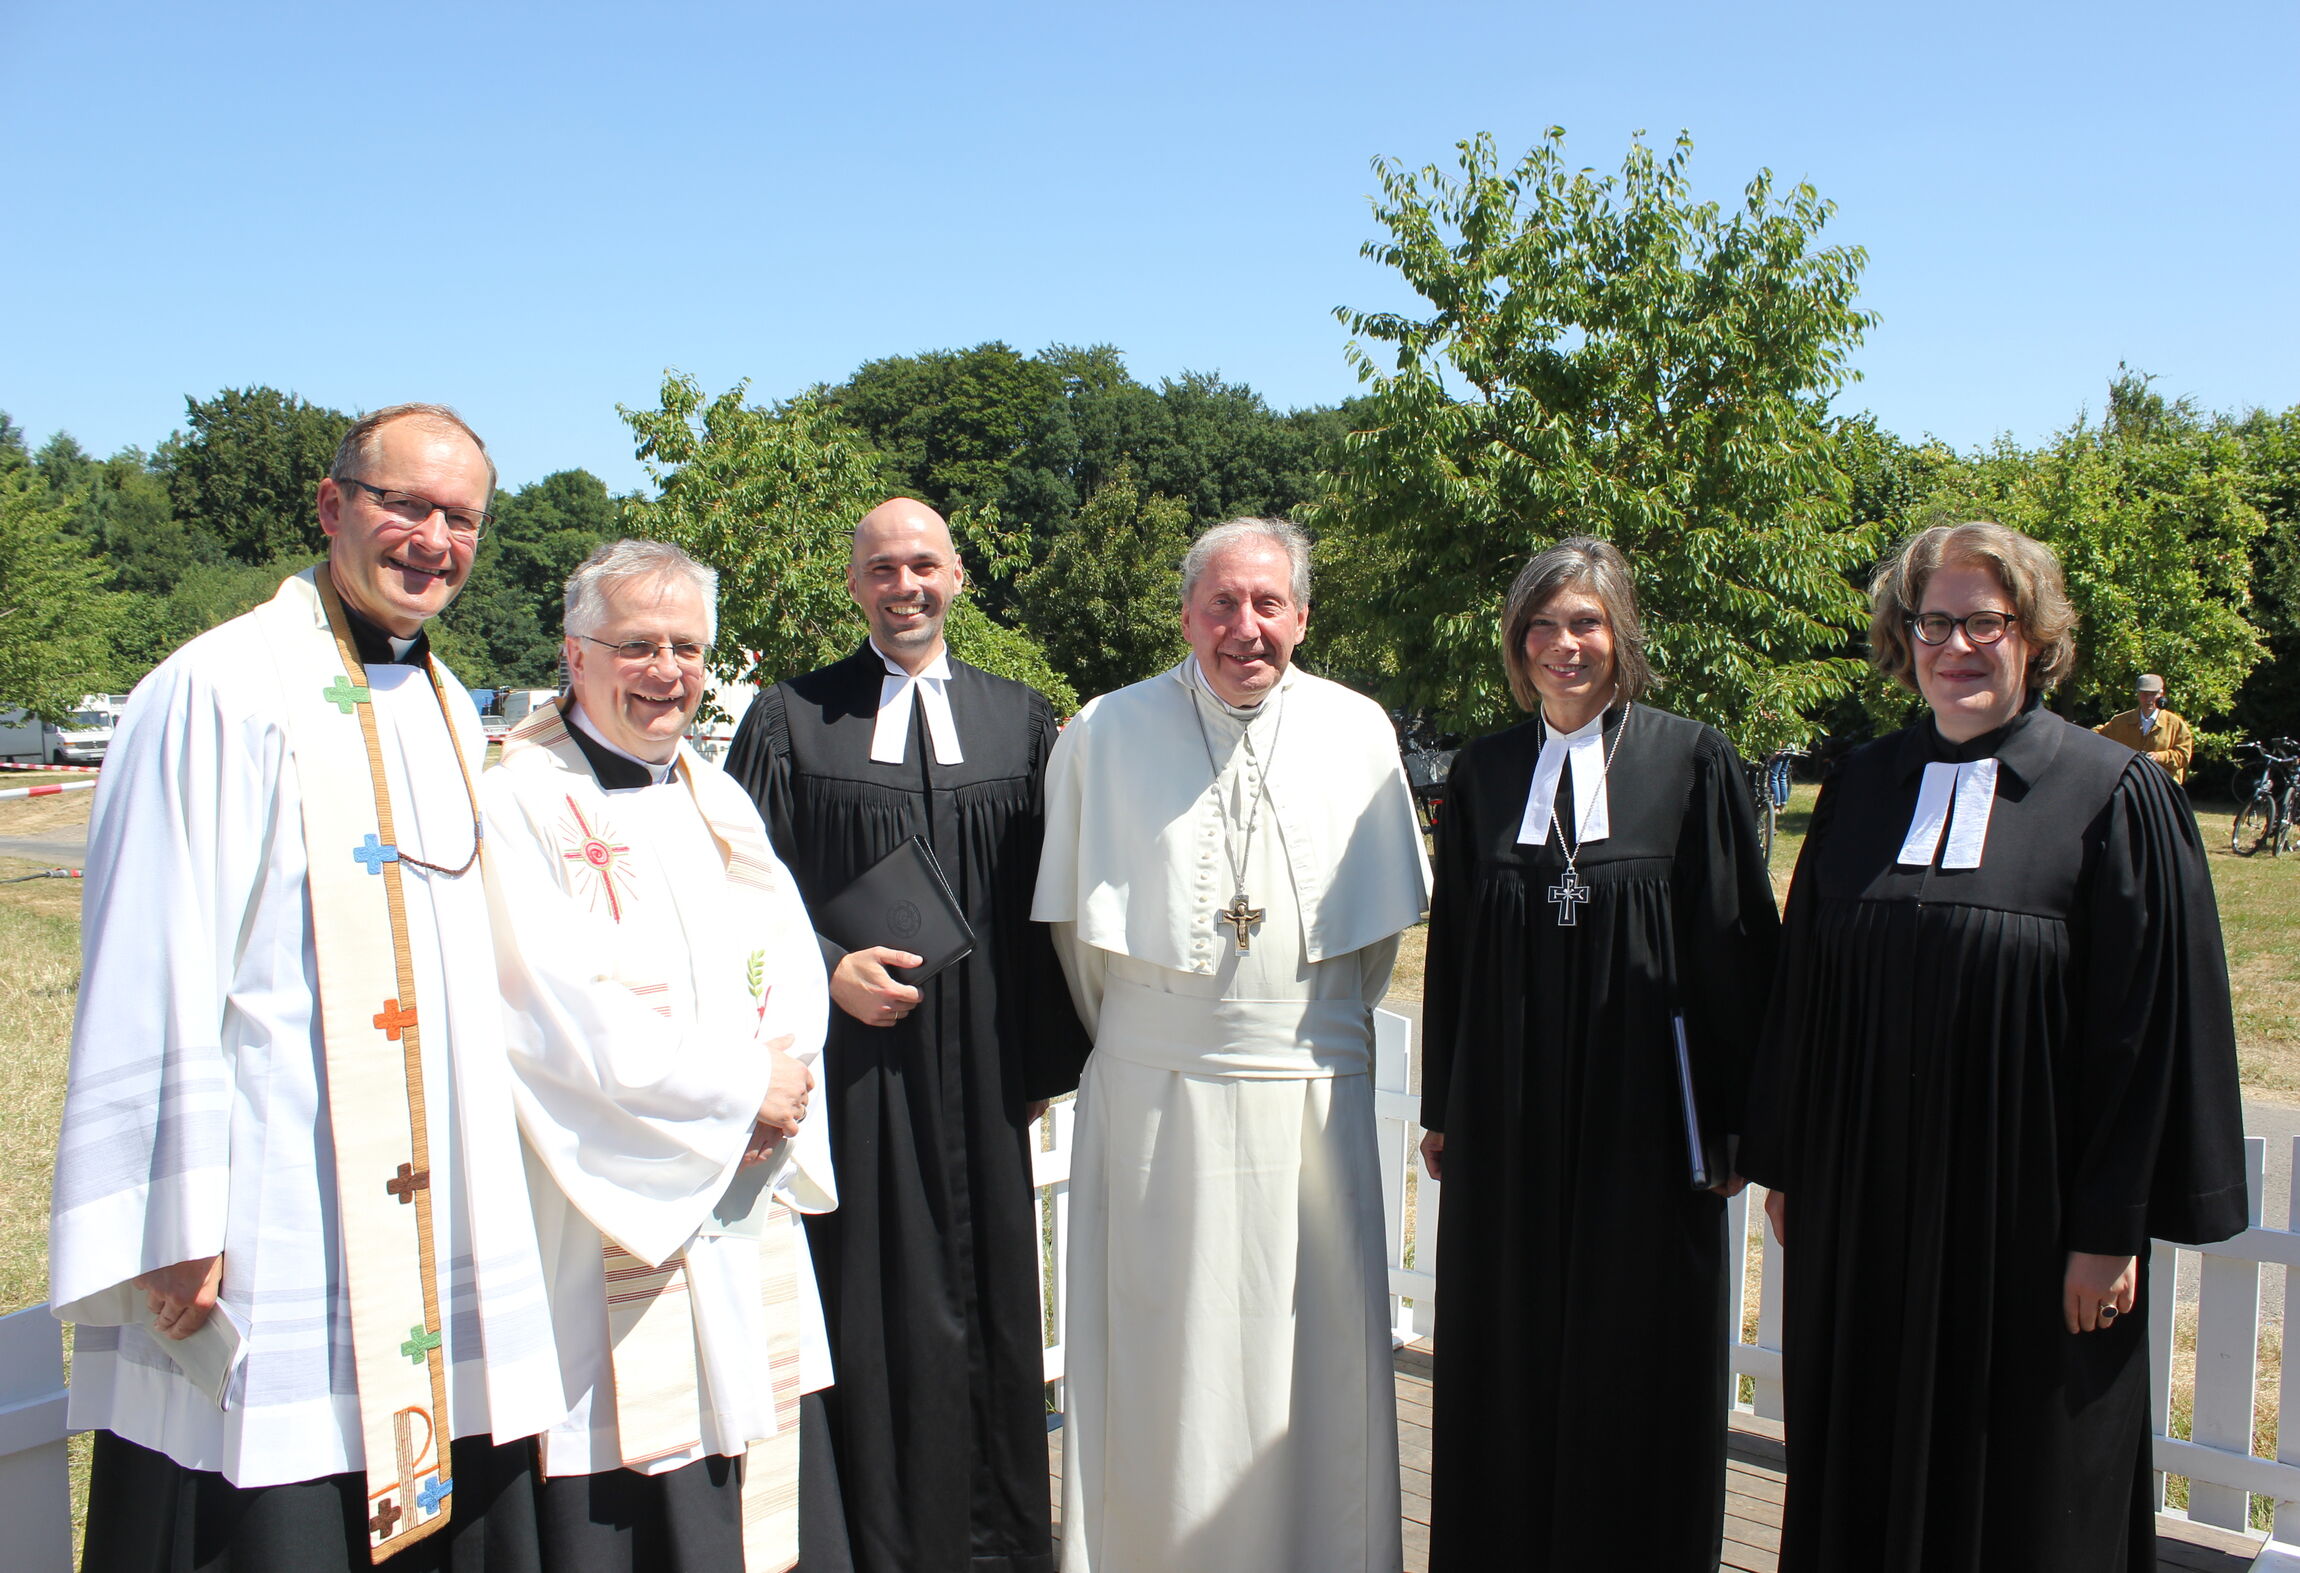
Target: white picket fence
[[2224, 1475]]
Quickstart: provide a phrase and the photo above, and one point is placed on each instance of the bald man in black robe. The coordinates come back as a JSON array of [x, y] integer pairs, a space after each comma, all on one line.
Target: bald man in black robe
[[929, 1269]]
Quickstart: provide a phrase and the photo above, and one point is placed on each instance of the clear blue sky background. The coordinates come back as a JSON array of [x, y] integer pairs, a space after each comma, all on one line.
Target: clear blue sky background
[[531, 210]]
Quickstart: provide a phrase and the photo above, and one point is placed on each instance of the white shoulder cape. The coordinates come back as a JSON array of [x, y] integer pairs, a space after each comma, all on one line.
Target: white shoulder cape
[[1131, 811]]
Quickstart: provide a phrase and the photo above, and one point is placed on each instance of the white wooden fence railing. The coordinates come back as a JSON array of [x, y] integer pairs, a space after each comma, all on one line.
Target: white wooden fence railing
[[35, 1492], [2224, 1475], [2217, 1457]]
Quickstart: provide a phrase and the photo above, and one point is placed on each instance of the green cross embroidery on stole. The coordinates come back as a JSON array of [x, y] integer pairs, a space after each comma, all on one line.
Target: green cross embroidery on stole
[[343, 693], [419, 1343]]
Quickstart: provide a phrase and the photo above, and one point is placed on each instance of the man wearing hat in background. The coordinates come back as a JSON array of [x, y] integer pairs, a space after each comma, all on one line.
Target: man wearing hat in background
[[2152, 729]]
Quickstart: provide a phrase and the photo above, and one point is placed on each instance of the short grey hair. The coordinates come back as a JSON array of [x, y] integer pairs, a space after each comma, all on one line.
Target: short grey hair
[[355, 454], [624, 562], [1284, 534]]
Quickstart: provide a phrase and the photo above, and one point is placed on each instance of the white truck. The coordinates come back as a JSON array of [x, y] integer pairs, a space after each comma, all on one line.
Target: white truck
[[80, 739]]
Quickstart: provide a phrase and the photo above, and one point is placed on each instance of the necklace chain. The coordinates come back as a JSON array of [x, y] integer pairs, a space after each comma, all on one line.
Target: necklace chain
[[356, 670], [1238, 859], [1604, 771]]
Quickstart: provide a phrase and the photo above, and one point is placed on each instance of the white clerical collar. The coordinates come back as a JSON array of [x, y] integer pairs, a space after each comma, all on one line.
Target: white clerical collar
[[1592, 812], [902, 689], [1195, 677], [400, 647], [660, 773], [1957, 799]]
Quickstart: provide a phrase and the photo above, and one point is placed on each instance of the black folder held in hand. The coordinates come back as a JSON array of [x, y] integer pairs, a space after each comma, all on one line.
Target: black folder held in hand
[[902, 902]]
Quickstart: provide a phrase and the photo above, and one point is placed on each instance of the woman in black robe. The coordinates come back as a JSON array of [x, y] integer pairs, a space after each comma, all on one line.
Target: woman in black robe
[[2000, 1059], [1582, 1268]]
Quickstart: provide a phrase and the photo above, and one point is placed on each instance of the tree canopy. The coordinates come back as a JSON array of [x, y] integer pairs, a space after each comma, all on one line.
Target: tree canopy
[[248, 470], [1608, 356]]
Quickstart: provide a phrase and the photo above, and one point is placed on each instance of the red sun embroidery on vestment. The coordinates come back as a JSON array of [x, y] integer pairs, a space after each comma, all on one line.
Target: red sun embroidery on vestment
[[599, 855]]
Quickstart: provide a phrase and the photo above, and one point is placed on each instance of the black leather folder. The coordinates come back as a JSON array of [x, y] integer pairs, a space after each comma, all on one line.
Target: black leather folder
[[902, 902]]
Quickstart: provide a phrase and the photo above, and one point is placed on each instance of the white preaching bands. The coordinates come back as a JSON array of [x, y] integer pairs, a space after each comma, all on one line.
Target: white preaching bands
[[1585, 746], [1593, 809], [931, 688], [1970, 790]]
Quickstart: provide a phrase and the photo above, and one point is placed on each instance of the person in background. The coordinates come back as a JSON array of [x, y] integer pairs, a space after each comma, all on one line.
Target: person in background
[[2000, 1059], [2148, 728]]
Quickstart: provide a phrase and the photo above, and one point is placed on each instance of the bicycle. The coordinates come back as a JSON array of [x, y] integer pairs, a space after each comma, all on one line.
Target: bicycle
[[2266, 818], [1769, 791]]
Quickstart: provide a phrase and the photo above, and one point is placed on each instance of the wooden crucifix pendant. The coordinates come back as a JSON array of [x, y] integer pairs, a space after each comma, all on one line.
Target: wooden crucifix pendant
[[1238, 915], [1567, 895]]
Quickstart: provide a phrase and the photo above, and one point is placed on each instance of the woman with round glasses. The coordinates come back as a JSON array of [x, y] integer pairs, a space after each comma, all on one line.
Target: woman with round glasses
[[2000, 1059], [1601, 940]]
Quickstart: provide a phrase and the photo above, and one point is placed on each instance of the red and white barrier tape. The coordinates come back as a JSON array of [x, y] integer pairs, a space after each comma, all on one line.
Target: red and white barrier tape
[[50, 788], [77, 770]]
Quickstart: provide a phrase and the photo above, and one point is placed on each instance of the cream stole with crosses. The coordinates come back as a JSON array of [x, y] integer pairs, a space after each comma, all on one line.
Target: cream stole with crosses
[[650, 1317], [370, 1029]]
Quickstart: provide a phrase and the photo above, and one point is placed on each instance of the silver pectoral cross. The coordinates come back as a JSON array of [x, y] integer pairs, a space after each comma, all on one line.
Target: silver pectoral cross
[[1239, 916], [1566, 895]]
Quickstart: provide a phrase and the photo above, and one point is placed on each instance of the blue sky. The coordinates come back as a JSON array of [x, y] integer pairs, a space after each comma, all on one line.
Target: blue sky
[[530, 211]]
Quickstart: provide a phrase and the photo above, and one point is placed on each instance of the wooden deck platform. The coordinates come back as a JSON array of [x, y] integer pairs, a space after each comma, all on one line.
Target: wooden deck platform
[[1756, 1478]]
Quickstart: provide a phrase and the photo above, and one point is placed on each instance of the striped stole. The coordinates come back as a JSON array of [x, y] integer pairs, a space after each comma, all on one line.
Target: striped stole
[[370, 1036]]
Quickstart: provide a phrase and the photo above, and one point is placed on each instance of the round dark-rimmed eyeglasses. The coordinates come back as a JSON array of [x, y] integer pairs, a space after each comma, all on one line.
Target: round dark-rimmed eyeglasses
[[642, 652], [1979, 627], [412, 510]]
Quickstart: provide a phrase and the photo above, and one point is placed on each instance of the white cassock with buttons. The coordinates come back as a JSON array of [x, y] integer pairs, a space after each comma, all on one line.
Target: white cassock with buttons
[[1230, 1403]]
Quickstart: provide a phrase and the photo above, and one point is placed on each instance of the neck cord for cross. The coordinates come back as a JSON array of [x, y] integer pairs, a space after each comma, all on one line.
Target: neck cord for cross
[[332, 600], [1569, 892], [1239, 915]]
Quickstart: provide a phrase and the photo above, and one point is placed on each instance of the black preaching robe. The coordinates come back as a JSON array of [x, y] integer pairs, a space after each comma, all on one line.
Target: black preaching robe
[[1968, 1074], [930, 1266], [1581, 1362]]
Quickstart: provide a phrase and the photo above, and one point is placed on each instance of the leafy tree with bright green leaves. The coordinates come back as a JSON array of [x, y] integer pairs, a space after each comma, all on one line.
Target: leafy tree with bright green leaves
[[769, 497], [504, 630], [248, 470], [56, 617], [1107, 600], [2269, 703], [1607, 356]]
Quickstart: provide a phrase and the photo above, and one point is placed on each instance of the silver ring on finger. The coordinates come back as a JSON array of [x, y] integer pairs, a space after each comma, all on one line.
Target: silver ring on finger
[[2108, 1313]]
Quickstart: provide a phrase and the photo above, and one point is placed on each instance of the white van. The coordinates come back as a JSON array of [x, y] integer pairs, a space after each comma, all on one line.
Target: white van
[[80, 739]]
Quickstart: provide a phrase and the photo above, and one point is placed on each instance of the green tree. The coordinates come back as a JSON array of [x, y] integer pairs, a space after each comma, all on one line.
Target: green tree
[[1106, 601], [1608, 356], [56, 618], [249, 468], [2269, 703], [504, 630], [769, 497]]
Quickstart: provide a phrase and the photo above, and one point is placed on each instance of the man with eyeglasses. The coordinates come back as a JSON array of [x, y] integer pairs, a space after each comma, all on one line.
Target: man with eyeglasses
[[931, 1264], [666, 998], [2151, 729], [291, 1214]]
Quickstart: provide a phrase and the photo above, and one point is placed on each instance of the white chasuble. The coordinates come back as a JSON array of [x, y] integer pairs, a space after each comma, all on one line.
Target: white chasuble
[[651, 945], [210, 1097], [1231, 1404]]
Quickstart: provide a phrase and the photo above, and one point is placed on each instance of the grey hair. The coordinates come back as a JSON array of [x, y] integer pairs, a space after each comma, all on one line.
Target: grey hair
[[1285, 534], [623, 562], [356, 452]]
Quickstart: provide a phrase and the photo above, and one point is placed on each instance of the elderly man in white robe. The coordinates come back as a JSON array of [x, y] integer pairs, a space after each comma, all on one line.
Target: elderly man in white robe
[[667, 998], [290, 1216], [1231, 855]]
